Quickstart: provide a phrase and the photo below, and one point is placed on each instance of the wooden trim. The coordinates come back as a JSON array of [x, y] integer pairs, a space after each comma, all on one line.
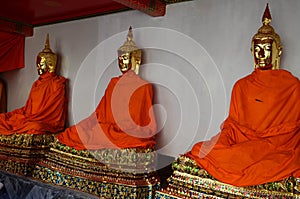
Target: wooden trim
[[153, 8], [16, 27]]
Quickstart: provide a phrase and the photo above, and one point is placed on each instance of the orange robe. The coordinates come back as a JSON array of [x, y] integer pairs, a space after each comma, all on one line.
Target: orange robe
[[123, 118], [44, 112], [259, 142]]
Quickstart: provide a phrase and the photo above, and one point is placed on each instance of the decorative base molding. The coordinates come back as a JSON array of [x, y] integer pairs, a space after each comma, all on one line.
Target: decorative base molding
[[104, 186], [107, 179], [106, 173], [19, 153], [190, 181]]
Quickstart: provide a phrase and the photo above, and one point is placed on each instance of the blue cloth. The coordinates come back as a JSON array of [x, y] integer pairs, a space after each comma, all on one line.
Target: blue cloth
[[17, 187]]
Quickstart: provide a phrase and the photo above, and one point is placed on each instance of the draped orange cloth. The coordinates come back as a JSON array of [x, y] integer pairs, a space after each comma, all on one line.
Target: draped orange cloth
[[45, 109], [123, 118], [259, 141]]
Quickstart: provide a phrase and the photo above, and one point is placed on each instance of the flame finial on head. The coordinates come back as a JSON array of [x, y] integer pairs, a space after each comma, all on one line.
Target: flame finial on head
[[266, 19], [129, 45], [46, 60], [265, 32], [47, 48], [129, 34]]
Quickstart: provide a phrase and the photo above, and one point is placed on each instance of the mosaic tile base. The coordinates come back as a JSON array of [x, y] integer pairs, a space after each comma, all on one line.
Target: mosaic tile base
[[190, 181]]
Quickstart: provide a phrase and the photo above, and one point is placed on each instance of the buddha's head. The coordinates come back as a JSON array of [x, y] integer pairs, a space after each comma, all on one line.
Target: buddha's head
[[46, 60], [129, 56], [265, 45]]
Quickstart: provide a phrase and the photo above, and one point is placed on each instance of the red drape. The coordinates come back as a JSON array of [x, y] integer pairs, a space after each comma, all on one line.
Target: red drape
[[11, 51]]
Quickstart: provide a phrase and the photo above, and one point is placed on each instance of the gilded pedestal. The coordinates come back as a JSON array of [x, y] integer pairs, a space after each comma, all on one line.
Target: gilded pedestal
[[107, 173], [19, 153], [190, 181]]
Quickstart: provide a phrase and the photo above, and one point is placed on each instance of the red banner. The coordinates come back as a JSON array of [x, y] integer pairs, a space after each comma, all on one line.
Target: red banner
[[11, 51]]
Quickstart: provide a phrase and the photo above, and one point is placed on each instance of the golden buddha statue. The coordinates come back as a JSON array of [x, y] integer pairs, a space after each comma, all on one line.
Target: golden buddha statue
[[31, 127], [256, 154], [45, 109], [87, 134], [114, 146]]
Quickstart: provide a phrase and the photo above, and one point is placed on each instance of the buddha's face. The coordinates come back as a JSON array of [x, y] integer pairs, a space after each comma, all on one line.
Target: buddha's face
[[125, 62], [46, 62], [262, 51], [51, 65], [266, 53], [41, 65], [129, 61]]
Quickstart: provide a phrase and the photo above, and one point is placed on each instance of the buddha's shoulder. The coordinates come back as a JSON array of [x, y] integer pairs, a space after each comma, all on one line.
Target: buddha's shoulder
[[114, 80], [59, 79], [289, 74], [243, 79]]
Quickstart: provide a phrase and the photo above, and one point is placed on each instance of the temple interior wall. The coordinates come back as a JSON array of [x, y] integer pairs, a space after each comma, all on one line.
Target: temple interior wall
[[193, 56]]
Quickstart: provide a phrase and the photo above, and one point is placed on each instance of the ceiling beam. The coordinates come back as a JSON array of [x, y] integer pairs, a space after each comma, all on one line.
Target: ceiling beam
[[155, 8], [15, 27]]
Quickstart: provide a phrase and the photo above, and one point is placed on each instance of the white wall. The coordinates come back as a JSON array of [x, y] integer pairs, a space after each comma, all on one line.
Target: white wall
[[192, 55]]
